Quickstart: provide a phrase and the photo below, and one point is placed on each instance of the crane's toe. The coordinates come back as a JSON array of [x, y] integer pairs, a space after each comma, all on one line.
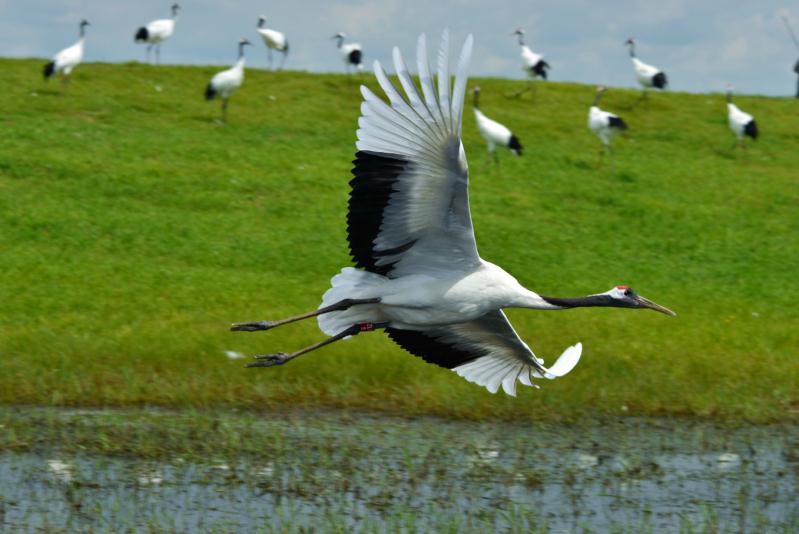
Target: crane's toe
[[269, 360], [251, 327]]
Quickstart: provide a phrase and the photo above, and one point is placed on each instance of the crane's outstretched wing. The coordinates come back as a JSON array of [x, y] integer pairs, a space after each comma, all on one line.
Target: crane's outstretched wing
[[486, 351], [409, 204]]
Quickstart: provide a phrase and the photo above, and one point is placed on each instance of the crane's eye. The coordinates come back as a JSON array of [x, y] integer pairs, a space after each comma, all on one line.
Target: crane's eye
[[628, 292]]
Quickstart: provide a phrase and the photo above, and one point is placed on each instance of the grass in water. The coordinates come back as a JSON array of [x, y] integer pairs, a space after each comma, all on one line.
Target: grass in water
[[135, 229]]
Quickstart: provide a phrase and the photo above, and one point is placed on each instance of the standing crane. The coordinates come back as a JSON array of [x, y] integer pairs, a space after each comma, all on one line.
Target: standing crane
[[157, 32], [67, 59], [351, 53], [419, 275], [603, 123], [532, 63], [493, 132], [796, 44], [274, 40], [647, 75], [225, 83], [742, 124]]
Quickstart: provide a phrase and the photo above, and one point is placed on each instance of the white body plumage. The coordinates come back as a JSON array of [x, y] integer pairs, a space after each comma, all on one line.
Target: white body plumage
[[226, 82], [159, 31], [492, 131], [741, 123], [532, 63], [67, 59], [604, 124], [351, 53], [273, 39], [648, 76], [156, 32]]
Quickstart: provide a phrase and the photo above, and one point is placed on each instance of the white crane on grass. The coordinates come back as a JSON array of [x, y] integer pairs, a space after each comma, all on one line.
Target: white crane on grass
[[274, 40], [225, 83], [351, 53], [67, 59], [532, 63], [742, 124], [156, 32], [647, 75], [493, 132], [410, 232], [604, 124]]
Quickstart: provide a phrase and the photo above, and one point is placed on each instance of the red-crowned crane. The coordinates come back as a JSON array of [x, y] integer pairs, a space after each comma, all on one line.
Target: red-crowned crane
[[742, 124], [647, 75], [67, 59], [493, 132], [225, 83], [603, 123], [274, 40], [532, 63], [410, 232], [156, 32], [351, 53]]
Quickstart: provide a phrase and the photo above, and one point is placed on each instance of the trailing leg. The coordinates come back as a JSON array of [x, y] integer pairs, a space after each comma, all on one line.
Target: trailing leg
[[266, 325], [270, 360]]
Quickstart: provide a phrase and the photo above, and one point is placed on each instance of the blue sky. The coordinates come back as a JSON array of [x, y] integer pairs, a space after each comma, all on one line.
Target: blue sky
[[700, 44]]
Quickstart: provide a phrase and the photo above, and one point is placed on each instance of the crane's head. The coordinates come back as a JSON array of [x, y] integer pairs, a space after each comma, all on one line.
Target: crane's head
[[84, 23], [261, 21], [244, 41], [630, 41], [601, 89], [626, 297], [175, 8], [339, 35], [476, 90], [519, 31]]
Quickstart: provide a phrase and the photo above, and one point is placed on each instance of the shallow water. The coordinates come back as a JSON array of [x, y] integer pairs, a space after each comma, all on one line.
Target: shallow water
[[328, 471]]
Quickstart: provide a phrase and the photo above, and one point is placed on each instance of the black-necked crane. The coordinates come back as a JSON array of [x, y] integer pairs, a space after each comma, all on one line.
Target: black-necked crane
[[647, 75], [225, 83], [604, 124], [532, 63], [418, 274], [274, 40], [156, 32], [67, 59], [741, 123], [493, 132], [351, 53]]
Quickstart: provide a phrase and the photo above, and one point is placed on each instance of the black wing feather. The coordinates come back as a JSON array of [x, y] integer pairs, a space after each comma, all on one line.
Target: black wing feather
[[375, 176], [427, 347]]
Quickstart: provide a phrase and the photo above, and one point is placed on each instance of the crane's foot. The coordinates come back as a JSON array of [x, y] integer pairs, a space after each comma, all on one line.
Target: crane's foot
[[270, 360], [252, 327]]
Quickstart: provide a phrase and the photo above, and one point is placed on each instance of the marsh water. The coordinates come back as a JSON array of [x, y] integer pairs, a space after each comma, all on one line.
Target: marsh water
[[327, 471]]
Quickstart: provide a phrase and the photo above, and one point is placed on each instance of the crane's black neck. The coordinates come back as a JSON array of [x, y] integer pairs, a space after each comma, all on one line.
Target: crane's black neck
[[82, 30], [175, 8], [729, 97], [521, 39], [261, 22], [632, 49], [476, 95], [339, 41], [241, 50], [585, 302], [597, 97]]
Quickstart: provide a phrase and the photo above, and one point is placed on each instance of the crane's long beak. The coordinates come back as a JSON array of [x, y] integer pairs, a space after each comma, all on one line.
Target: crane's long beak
[[646, 303]]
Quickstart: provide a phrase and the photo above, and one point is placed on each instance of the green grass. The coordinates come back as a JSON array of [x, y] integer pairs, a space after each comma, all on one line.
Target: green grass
[[134, 229]]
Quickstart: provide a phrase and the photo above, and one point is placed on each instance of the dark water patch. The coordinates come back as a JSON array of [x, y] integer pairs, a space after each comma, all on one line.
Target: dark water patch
[[331, 471]]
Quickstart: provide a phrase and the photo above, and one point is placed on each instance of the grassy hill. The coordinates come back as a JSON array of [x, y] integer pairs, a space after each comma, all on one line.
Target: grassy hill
[[134, 229]]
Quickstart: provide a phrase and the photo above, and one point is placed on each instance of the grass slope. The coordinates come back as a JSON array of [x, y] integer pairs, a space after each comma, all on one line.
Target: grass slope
[[134, 229]]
